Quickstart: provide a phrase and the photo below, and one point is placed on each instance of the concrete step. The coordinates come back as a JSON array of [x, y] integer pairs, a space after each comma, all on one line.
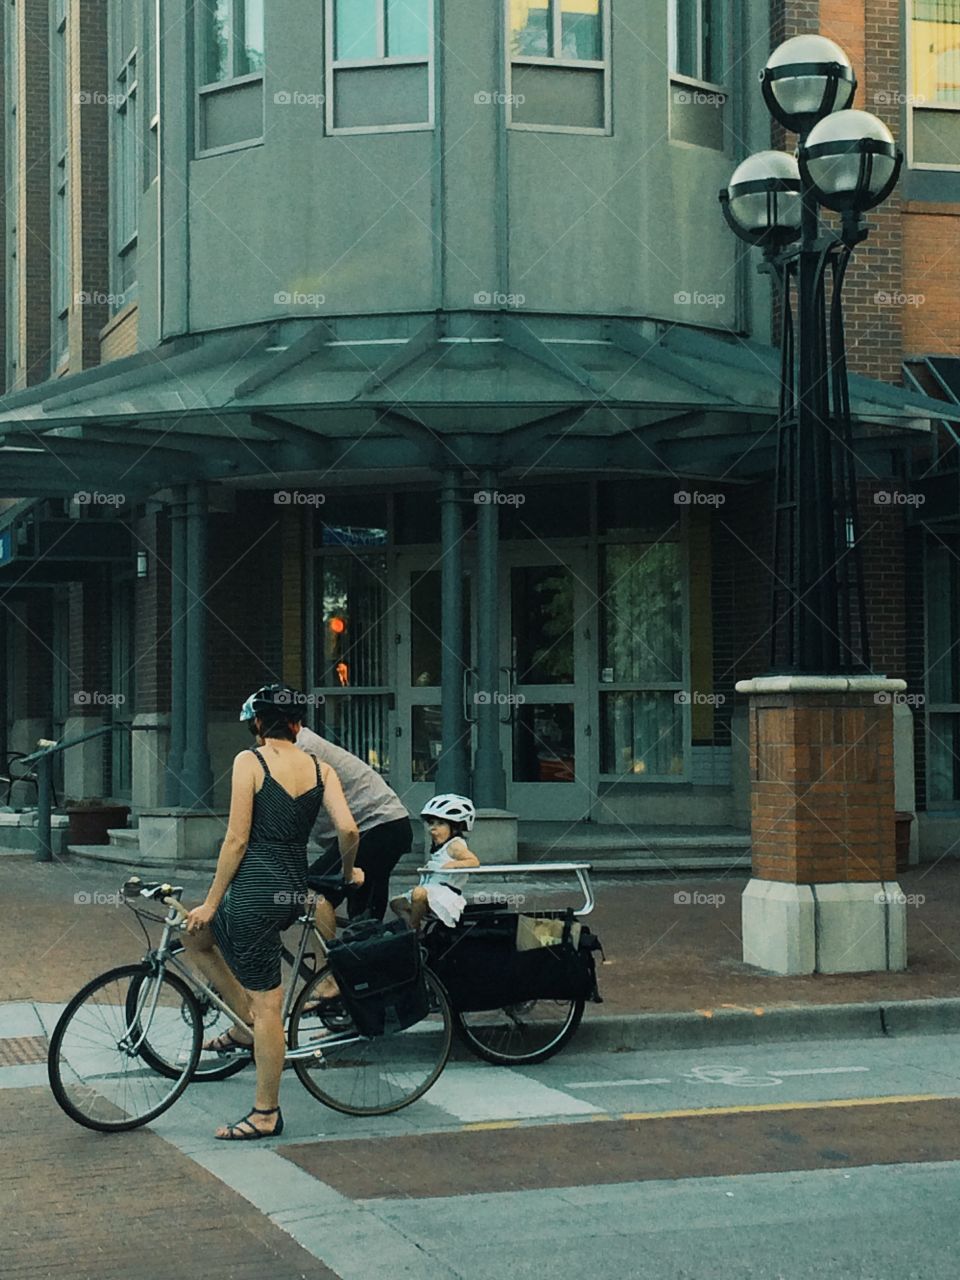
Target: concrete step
[[124, 837], [130, 859], [618, 848]]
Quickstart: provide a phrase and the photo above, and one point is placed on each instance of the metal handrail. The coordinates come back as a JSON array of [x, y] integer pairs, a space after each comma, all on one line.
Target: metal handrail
[[44, 763], [64, 746], [581, 870]]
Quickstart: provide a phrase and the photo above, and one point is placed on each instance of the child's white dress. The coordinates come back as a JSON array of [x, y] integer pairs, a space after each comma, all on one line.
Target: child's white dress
[[442, 885]]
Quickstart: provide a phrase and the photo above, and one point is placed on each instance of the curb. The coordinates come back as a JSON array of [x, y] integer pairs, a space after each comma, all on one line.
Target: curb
[[701, 1029]]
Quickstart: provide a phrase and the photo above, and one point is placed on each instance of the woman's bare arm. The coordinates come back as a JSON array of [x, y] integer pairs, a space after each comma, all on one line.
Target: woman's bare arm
[[338, 811]]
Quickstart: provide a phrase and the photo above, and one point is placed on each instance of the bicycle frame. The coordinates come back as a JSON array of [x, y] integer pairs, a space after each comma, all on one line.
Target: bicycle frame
[[162, 956]]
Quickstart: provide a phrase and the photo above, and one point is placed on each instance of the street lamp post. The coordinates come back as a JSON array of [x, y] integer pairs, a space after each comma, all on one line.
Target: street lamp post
[[822, 897], [846, 161]]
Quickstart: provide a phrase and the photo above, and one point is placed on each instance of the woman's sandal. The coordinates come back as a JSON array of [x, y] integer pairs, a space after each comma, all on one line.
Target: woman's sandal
[[226, 1042], [236, 1133]]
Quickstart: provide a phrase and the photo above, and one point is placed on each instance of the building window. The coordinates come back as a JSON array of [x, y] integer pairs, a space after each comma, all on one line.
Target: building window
[[697, 46], [231, 44], [934, 100], [642, 706], [557, 65], [125, 158], [60, 266], [379, 65], [151, 67], [697, 38], [943, 677]]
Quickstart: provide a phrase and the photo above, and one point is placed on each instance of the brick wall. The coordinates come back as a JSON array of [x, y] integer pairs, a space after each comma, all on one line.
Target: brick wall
[[245, 622], [37, 623], [882, 530], [89, 647], [822, 789], [120, 339], [152, 615], [931, 279]]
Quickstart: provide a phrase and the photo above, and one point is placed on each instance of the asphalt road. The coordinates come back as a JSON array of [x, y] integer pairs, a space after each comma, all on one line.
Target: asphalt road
[[835, 1160]]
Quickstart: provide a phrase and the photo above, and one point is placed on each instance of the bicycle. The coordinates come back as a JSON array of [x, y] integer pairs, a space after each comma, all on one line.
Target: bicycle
[[128, 1043], [525, 1031]]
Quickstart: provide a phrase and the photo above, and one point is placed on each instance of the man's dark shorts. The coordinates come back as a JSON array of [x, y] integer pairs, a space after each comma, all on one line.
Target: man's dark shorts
[[381, 848]]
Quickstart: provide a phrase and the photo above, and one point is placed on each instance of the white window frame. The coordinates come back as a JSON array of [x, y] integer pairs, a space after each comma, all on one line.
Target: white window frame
[[679, 77], [126, 149], [334, 64], [203, 35], [930, 106], [602, 65], [205, 88]]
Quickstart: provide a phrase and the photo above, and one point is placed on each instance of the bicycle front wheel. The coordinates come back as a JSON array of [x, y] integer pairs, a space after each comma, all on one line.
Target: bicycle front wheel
[[520, 1034], [210, 1065], [368, 1077], [96, 1063]]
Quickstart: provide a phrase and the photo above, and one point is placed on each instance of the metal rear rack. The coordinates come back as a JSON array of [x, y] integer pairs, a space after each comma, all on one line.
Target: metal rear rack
[[580, 869]]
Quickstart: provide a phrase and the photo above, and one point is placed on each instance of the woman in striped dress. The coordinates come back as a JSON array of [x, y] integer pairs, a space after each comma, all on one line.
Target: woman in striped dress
[[259, 890]]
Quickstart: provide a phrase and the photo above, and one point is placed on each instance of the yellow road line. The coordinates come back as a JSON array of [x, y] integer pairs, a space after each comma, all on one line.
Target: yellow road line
[[891, 1099], [493, 1124]]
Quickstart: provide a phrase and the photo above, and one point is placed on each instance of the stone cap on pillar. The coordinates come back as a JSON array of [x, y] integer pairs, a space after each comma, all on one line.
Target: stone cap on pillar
[[820, 684]]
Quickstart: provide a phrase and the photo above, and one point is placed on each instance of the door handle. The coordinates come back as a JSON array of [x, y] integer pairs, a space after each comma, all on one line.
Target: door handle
[[511, 674], [467, 673]]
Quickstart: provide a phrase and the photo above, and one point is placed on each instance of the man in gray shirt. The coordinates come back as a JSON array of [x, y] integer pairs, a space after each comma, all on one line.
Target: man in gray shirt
[[386, 832]]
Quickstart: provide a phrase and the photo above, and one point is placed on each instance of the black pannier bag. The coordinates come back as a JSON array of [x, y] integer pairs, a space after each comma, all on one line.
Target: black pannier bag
[[481, 968], [380, 975]]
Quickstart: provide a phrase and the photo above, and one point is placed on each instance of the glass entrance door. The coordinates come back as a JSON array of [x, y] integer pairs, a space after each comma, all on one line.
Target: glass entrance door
[[419, 656], [547, 737]]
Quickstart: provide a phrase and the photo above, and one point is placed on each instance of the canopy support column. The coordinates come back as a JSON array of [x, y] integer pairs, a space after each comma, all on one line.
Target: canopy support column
[[489, 779], [178, 648], [197, 776], [453, 770]]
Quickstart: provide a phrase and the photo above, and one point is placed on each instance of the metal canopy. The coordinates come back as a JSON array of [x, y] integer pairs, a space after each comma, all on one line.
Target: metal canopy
[[533, 392]]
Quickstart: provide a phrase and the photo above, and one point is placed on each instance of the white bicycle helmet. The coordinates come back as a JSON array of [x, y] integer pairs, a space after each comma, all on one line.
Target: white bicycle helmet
[[451, 808]]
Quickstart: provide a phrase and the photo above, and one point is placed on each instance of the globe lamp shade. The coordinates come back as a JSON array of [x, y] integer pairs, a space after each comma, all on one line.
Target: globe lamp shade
[[805, 79], [851, 161], [762, 202]]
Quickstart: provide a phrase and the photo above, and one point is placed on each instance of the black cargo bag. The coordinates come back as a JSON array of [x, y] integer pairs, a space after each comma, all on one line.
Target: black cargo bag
[[481, 968], [380, 975]]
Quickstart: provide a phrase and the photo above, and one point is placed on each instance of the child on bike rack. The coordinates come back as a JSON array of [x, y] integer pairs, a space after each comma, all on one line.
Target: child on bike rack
[[440, 890]]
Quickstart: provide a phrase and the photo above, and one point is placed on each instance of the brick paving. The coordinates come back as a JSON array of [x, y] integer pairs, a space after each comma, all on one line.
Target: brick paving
[[664, 955], [83, 1206], [534, 1157]]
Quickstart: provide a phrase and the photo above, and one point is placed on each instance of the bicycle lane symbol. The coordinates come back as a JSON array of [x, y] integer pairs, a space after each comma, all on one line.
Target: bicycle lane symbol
[[736, 1077]]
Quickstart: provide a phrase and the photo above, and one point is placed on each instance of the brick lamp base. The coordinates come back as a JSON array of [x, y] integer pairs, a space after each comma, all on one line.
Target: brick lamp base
[[823, 897]]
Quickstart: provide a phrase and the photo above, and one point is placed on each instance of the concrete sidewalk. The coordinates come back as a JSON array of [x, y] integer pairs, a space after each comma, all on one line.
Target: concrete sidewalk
[[672, 949]]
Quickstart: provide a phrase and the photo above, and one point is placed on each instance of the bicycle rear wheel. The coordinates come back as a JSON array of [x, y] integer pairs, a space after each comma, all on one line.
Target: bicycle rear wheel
[[369, 1077], [521, 1033], [97, 1070]]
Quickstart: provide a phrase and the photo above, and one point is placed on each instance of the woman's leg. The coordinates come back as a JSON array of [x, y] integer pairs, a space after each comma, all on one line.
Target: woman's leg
[[268, 1049], [206, 956]]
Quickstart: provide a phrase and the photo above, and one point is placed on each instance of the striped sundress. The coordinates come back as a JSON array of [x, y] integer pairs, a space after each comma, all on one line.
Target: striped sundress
[[268, 891]]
